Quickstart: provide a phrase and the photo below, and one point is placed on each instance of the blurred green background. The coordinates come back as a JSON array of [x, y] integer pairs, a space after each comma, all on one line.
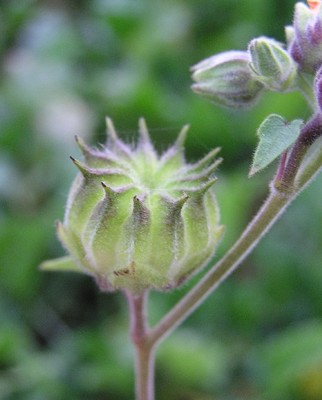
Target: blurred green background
[[64, 66]]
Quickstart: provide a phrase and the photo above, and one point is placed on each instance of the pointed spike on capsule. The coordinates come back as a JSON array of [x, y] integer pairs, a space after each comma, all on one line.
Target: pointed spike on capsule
[[83, 169], [144, 136], [204, 173], [174, 209], [112, 193], [137, 201], [201, 190], [216, 164], [111, 132], [215, 151], [84, 148], [179, 143], [89, 172], [118, 190], [206, 160], [80, 142], [208, 185], [177, 149], [181, 202], [60, 264], [211, 155], [60, 230], [140, 211], [108, 189], [212, 168]]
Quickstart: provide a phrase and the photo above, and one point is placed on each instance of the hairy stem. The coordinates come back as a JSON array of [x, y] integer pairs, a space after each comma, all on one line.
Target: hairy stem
[[144, 350], [144, 372]]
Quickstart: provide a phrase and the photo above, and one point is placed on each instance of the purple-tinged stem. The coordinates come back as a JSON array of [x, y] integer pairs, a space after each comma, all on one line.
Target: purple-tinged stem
[[309, 133], [281, 167], [144, 350]]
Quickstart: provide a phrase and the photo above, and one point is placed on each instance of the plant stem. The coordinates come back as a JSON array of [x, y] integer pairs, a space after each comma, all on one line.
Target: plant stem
[[144, 370], [144, 350]]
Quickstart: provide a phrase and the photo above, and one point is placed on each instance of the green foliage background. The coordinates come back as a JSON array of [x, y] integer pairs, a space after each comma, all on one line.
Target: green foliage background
[[64, 65]]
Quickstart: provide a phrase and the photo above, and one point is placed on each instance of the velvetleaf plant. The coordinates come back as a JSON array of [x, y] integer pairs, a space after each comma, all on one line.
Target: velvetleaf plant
[[138, 221]]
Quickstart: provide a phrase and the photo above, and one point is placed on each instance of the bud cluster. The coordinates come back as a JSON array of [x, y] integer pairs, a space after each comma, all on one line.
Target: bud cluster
[[137, 220], [237, 78], [305, 37]]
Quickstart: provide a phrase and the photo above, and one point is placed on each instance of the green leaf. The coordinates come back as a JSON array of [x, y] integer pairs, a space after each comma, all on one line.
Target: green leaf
[[60, 264], [275, 136]]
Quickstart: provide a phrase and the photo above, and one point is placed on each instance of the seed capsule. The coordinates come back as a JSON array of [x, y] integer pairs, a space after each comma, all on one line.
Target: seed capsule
[[136, 220]]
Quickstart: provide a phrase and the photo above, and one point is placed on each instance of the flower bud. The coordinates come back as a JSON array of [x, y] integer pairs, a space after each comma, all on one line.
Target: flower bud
[[290, 35], [227, 79], [136, 220], [272, 64], [306, 47]]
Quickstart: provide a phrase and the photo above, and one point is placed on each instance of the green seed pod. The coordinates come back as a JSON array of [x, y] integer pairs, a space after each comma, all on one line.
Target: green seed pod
[[136, 220], [273, 66], [227, 80]]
